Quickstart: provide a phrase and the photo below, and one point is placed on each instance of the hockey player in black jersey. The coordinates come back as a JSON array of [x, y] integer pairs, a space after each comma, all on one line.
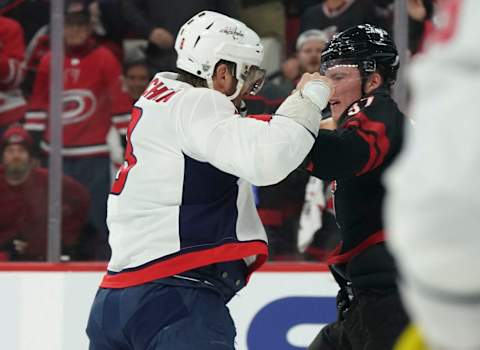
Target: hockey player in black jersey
[[359, 142]]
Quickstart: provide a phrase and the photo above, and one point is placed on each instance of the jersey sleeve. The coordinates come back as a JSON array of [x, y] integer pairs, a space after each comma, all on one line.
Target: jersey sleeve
[[36, 116], [120, 102], [262, 151], [364, 142], [12, 48]]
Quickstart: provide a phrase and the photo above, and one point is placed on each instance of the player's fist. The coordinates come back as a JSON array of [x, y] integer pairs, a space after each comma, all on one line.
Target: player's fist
[[307, 77], [317, 88]]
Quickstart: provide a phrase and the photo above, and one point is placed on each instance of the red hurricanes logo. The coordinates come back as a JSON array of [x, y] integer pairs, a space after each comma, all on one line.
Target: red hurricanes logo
[[78, 105]]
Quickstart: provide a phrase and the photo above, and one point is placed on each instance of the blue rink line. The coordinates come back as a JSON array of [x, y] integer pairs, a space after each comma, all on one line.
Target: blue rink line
[[271, 324]]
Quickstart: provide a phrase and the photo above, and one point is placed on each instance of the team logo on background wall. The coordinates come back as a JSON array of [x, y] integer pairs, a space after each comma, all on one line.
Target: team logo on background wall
[[272, 324]]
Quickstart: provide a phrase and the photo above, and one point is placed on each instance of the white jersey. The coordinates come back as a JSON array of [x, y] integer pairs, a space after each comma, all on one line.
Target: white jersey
[[433, 209], [183, 198]]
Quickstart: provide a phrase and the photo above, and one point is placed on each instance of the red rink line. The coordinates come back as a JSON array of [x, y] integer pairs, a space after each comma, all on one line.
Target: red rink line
[[101, 266]]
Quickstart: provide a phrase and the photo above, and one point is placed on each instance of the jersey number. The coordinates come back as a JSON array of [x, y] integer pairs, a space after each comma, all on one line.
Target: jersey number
[[130, 159], [358, 106]]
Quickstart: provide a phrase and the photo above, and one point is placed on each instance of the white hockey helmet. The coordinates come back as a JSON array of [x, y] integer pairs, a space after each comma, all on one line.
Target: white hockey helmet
[[209, 37]]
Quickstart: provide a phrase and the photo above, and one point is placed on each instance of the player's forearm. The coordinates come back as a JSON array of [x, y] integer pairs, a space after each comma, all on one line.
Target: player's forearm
[[263, 153], [336, 156], [273, 161]]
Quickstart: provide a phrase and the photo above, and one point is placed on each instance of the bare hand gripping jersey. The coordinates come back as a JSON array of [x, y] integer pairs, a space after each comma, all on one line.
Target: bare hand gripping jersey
[[183, 197]]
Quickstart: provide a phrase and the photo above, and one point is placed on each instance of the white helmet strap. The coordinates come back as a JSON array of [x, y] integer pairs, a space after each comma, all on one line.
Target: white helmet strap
[[237, 89], [209, 82]]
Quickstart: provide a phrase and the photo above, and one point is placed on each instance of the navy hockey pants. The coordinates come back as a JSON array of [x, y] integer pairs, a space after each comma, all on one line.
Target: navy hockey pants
[[157, 316]]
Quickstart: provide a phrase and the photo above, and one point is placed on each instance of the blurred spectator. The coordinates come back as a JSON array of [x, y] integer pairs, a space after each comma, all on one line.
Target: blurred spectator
[[108, 28], [420, 13], [267, 18], [12, 47], [304, 5], [36, 49], [108, 20], [137, 77], [309, 48], [159, 22], [292, 25], [337, 15], [310, 45], [23, 203], [34, 16], [318, 233], [93, 101], [108, 23]]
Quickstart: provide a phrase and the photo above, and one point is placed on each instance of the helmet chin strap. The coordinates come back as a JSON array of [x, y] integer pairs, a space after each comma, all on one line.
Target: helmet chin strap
[[237, 89], [209, 82], [364, 83]]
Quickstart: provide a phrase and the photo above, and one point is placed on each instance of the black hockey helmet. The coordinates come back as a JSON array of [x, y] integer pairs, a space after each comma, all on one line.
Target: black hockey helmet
[[366, 46]]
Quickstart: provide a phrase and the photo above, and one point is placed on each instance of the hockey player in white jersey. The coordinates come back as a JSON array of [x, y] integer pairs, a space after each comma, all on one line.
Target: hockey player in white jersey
[[184, 231], [434, 203]]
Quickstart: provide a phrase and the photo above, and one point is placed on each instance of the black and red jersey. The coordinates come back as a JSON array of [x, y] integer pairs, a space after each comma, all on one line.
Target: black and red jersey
[[355, 155]]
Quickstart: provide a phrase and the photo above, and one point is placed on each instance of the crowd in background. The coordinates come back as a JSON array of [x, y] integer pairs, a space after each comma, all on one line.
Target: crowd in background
[[112, 49]]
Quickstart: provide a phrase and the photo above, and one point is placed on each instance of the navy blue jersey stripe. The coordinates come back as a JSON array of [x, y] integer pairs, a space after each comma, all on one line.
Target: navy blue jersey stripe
[[208, 213]]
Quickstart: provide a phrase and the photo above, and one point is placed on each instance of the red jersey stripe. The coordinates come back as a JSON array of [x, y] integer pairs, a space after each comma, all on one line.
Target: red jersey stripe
[[374, 133], [261, 117], [336, 258], [189, 261]]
